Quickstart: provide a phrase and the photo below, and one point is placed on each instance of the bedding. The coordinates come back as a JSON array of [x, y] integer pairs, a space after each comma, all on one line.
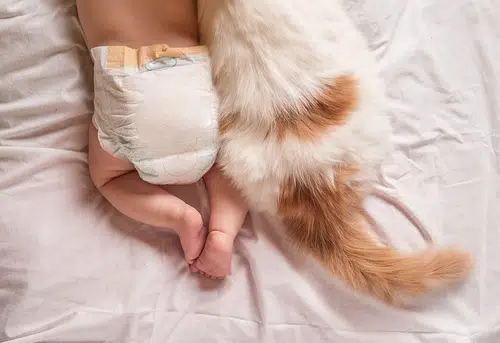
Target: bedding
[[72, 269]]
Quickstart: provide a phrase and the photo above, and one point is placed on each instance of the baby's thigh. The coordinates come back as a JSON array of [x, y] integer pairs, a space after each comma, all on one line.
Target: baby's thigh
[[103, 166]]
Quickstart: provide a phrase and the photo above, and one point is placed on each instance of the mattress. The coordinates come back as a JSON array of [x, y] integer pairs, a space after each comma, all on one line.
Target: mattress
[[74, 270]]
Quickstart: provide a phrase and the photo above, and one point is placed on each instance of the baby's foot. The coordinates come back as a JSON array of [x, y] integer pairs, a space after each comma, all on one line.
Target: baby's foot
[[191, 233], [215, 259]]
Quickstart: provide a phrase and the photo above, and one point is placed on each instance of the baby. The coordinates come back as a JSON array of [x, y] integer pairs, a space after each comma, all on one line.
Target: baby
[[147, 53]]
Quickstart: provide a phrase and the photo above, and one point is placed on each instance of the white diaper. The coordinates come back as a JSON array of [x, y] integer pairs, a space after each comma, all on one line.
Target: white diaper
[[156, 107]]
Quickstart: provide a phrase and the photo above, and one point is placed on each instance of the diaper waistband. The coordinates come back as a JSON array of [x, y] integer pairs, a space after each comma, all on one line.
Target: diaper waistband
[[147, 58]]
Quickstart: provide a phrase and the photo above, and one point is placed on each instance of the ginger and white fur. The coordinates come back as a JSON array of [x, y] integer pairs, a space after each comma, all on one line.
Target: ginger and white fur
[[304, 128]]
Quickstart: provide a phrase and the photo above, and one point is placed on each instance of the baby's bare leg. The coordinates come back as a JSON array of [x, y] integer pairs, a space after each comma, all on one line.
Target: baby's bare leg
[[228, 211], [140, 23], [121, 185]]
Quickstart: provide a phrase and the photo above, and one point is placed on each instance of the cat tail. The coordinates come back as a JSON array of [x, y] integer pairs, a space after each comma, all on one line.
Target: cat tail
[[326, 220]]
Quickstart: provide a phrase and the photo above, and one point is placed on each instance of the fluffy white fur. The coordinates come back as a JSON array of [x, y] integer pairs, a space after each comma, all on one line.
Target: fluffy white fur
[[282, 51], [267, 57]]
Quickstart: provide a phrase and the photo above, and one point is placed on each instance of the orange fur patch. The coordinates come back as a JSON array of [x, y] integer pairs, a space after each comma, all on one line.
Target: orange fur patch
[[227, 123], [304, 208], [330, 108], [308, 121], [325, 219]]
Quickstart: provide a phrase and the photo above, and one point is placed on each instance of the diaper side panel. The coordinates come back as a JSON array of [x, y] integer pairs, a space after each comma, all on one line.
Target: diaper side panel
[[117, 98]]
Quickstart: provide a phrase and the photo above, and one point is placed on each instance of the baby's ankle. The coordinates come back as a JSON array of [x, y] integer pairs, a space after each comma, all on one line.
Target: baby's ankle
[[230, 235]]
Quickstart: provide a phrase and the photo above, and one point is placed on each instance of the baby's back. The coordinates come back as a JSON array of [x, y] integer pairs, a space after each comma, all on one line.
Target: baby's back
[[138, 23]]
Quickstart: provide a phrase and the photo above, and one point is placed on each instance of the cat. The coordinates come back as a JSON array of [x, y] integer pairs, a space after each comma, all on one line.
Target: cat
[[303, 131]]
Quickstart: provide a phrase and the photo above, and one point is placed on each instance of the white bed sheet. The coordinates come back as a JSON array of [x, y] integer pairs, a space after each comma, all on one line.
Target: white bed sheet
[[73, 270]]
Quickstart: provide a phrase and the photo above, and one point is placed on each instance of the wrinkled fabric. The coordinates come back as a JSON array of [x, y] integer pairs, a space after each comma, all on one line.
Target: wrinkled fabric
[[160, 115], [72, 269]]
